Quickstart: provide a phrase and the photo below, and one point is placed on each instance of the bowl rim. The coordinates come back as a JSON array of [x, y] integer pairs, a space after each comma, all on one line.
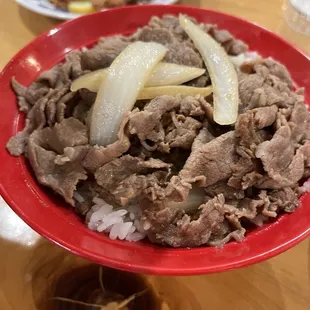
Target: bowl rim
[[293, 239]]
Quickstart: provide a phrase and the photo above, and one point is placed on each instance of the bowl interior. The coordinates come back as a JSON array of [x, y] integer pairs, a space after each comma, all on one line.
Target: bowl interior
[[51, 217]]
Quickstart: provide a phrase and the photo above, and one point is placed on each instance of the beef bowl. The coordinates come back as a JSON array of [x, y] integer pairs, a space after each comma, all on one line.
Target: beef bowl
[[175, 142]]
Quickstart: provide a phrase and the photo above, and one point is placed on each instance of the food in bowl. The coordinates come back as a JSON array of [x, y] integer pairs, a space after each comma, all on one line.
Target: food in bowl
[[226, 149], [84, 6]]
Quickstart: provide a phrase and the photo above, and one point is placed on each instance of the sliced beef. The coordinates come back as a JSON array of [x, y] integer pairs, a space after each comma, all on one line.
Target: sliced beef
[[173, 227], [224, 189], [117, 176], [246, 208], [246, 172], [249, 127], [45, 110], [19, 89], [66, 135], [165, 122], [283, 166], [184, 133], [100, 155], [143, 123], [305, 150], [87, 97], [45, 100], [74, 59], [220, 237], [235, 47], [300, 122], [55, 155], [224, 37], [36, 120], [202, 81], [203, 137], [179, 52], [53, 76], [264, 117], [171, 23], [36, 91], [195, 107], [119, 169], [57, 77], [69, 133], [72, 154], [60, 178], [221, 36], [212, 161], [150, 186], [20, 92], [182, 54], [250, 133], [285, 199], [81, 112], [159, 35], [251, 91], [258, 91], [268, 66], [177, 189], [37, 114], [61, 106], [103, 54], [217, 221], [17, 144]]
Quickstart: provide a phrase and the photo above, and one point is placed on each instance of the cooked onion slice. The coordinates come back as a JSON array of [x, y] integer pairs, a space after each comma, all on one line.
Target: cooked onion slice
[[90, 81], [152, 92], [118, 92], [173, 74], [223, 75], [195, 199], [163, 74]]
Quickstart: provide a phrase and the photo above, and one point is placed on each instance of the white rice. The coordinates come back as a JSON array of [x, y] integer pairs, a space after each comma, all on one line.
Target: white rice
[[305, 187], [99, 201], [244, 57], [123, 224]]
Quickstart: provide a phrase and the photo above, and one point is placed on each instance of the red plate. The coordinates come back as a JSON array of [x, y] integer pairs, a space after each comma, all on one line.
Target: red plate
[[48, 215]]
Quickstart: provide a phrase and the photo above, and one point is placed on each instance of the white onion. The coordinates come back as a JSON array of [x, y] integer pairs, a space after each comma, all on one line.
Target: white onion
[[90, 81], [173, 74], [78, 197], [153, 92], [238, 60], [118, 92], [222, 72], [163, 74], [243, 58], [195, 199]]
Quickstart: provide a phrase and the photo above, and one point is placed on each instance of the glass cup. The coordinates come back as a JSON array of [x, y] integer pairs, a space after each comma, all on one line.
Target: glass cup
[[297, 15]]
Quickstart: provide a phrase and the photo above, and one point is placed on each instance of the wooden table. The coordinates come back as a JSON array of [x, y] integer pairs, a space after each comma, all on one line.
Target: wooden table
[[30, 265]]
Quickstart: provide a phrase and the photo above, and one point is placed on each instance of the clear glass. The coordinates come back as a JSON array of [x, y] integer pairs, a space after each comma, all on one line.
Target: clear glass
[[297, 15]]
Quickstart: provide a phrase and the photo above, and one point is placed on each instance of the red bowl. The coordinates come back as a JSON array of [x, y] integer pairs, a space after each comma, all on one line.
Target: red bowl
[[48, 215]]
